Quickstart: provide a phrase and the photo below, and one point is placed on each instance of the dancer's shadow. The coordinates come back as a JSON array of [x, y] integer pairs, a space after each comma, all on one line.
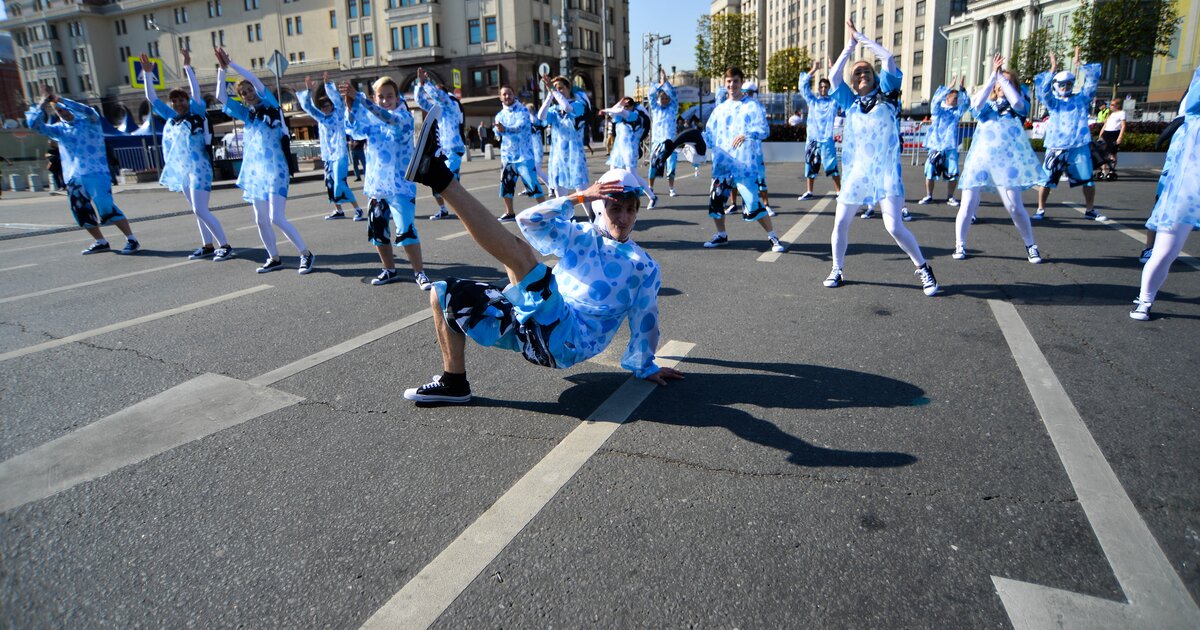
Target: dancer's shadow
[[706, 399]]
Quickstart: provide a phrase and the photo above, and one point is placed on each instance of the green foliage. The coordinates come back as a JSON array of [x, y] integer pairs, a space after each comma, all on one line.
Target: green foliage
[[1032, 54], [1110, 29], [724, 41], [785, 66]]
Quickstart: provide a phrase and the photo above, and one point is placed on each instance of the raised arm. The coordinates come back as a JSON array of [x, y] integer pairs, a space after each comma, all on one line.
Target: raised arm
[[805, 85], [884, 55], [1013, 94], [837, 76], [544, 109], [1090, 74], [981, 97], [380, 113], [643, 329], [249, 76], [79, 109], [193, 83], [148, 82], [37, 115]]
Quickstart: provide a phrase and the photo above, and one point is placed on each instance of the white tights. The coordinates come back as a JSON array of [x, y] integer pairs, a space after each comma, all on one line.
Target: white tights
[[890, 209], [211, 232], [1167, 245], [268, 212], [1010, 197]]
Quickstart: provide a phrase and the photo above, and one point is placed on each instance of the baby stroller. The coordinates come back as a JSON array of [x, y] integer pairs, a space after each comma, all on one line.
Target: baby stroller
[[1104, 161]]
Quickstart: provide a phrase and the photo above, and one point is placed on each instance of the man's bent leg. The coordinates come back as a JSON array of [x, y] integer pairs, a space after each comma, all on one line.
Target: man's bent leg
[[510, 250], [452, 343]]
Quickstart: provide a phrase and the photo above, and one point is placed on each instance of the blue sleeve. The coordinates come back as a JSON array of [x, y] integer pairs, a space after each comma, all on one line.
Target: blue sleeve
[[890, 81], [806, 87], [843, 96], [939, 96], [521, 124], [549, 226], [643, 329], [964, 102], [237, 110], [380, 113], [357, 126], [335, 97], [1091, 80], [162, 111], [757, 127], [1041, 87], [1191, 102], [79, 109], [424, 100], [310, 108], [36, 118]]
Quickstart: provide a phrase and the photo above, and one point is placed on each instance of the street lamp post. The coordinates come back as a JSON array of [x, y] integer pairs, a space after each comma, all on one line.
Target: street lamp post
[[652, 44]]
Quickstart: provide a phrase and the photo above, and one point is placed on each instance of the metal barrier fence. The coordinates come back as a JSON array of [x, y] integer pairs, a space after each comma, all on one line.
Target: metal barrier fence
[[138, 159], [912, 138]]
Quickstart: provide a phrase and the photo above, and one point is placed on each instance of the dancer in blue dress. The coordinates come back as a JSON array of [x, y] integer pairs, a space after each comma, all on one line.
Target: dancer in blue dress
[[387, 126], [264, 175], [427, 93], [664, 109], [1068, 140], [512, 123], [1177, 211], [820, 149], [871, 154], [941, 139], [187, 166], [1001, 158], [630, 122], [563, 112], [734, 135], [84, 166], [324, 104]]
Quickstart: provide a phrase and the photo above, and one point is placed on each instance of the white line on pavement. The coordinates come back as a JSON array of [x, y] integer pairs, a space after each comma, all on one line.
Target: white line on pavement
[[1140, 237], [420, 602], [798, 229], [1157, 597], [19, 267], [89, 283], [32, 226], [8, 250], [126, 324]]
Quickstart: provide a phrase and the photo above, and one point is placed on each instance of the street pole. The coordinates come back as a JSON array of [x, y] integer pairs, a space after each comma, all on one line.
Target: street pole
[[604, 38], [564, 39]]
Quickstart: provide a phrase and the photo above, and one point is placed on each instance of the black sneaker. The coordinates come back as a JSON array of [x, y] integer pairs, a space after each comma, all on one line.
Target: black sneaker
[[306, 263], [131, 247], [385, 276], [426, 166], [96, 248], [834, 280], [716, 241], [928, 282], [271, 265], [336, 214], [358, 215], [437, 391], [422, 281], [223, 252], [201, 252]]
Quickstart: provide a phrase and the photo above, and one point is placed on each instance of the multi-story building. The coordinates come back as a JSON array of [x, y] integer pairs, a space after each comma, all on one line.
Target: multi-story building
[[82, 47], [908, 28], [1172, 72]]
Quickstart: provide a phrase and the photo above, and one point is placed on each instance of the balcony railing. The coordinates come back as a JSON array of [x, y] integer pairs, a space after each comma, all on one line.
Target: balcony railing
[[431, 10], [415, 54]]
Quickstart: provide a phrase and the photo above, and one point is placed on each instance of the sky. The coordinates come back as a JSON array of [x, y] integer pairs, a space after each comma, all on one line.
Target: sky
[[676, 18]]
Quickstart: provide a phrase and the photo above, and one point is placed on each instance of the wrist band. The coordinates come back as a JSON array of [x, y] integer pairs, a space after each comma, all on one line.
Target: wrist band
[[580, 199]]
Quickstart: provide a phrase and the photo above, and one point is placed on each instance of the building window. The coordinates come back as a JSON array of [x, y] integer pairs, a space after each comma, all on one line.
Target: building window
[[919, 57], [292, 57], [368, 43], [366, 8], [395, 32], [918, 82], [299, 26], [410, 37], [919, 34], [546, 34], [122, 29], [258, 32], [250, 5], [473, 31], [333, 19], [336, 53], [289, 26], [537, 32], [214, 8], [899, 15], [879, 22], [425, 35], [921, 7], [355, 47], [181, 15], [301, 56], [489, 29], [352, 9], [249, 32], [146, 20]]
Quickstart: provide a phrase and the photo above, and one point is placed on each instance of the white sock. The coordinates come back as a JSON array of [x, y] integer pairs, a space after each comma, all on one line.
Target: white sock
[[771, 235], [102, 241]]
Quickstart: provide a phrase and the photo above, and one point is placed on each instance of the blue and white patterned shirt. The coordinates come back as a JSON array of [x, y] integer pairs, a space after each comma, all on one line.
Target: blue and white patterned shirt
[[449, 137], [514, 140], [663, 126], [731, 119], [943, 126], [1068, 124], [604, 281], [332, 126], [389, 136], [80, 142], [822, 111]]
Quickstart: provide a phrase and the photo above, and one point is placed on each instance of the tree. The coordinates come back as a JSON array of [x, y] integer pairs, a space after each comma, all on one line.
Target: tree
[[724, 41], [1032, 55], [1109, 30], [785, 66]]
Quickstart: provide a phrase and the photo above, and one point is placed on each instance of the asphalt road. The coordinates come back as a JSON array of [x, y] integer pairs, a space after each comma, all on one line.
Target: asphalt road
[[855, 457]]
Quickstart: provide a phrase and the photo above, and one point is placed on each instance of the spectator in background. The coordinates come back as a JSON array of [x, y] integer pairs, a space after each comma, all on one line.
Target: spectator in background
[[1111, 134], [796, 120], [54, 165], [114, 165], [473, 138], [358, 155], [8, 162]]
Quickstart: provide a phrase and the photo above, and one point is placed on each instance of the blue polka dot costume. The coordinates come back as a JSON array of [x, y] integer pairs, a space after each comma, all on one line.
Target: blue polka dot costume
[[941, 136], [186, 163], [631, 126], [449, 137], [389, 136], [1068, 124], [870, 139], [264, 166], [820, 149], [331, 128], [1000, 155], [568, 164], [84, 163], [572, 314], [663, 125], [1179, 202], [514, 140], [730, 119]]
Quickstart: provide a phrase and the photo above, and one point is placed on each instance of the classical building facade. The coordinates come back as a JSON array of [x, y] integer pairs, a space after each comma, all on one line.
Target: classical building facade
[[1172, 72], [82, 47]]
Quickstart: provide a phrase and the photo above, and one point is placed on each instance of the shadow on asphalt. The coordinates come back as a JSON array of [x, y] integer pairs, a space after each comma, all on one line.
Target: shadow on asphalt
[[705, 399]]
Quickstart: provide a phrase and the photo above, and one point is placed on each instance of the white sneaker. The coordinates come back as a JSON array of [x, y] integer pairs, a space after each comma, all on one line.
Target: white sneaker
[[1095, 216], [960, 252], [771, 212], [868, 213], [835, 279], [926, 199], [1141, 310], [1034, 255], [904, 215], [653, 202], [672, 193], [952, 202], [777, 246], [805, 197], [441, 214]]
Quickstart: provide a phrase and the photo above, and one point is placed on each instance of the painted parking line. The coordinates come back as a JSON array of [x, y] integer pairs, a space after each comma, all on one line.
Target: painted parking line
[[424, 598], [19, 267], [794, 233], [69, 287], [1139, 236], [185, 413], [1157, 598], [131, 322]]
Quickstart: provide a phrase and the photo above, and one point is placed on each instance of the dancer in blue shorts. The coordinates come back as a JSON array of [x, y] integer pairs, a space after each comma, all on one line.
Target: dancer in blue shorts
[[553, 318], [513, 123], [664, 109], [820, 149], [941, 140], [1068, 139], [84, 166], [324, 104]]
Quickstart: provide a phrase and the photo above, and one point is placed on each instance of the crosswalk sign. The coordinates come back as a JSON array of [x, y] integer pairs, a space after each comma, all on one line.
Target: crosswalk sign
[[156, 70]]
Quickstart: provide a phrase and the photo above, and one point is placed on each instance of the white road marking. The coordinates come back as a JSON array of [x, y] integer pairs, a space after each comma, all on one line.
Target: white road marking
[[8, 250], [186, 412], [1157, 597], [798, 229], [189, 411], [420, 602], [19, 267], [1140, 237], [453, 235], [126, 324], [32, 226], [69, 287]]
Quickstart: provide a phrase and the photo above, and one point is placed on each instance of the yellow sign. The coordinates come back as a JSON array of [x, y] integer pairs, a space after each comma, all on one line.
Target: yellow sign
[[135, 72], [457, 74]]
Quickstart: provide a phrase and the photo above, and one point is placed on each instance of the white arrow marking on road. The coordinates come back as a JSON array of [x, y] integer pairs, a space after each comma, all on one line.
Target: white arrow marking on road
[[798, 229], [20, 352], [1157, 597], [431, 591]]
